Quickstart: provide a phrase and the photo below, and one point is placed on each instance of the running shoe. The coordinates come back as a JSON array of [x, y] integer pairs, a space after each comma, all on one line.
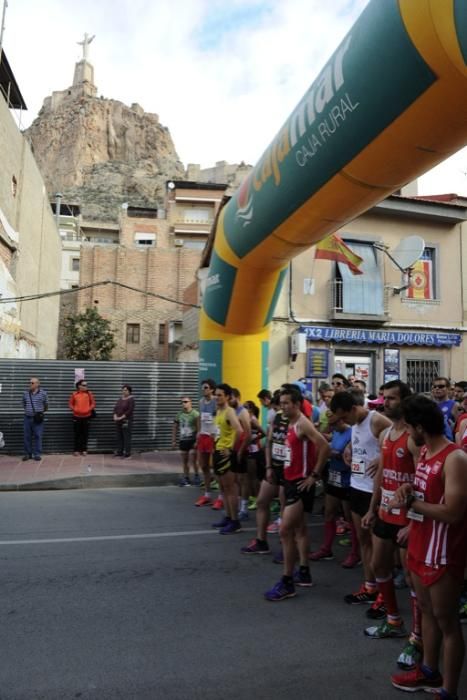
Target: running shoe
[[360, 596], [251, 503], [273, 528], [302, 577], [463, 612], [196, 480], [377, 611], [344, 541], [280, 591], [275, 507], [218, 504], [399, 579], [203, 501], [256, 547], [243, 515], [230, 528], [415, 680], [321, 555], [411, 655], [385, 631], [278, 558], [184, 481], [222, 523], [351, 561], [342, 526]]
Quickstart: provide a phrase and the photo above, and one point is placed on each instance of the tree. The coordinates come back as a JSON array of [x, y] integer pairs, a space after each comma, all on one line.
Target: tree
[[88, 336]]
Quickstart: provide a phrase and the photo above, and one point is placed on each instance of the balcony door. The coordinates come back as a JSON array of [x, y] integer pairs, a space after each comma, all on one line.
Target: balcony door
[[362, 294]]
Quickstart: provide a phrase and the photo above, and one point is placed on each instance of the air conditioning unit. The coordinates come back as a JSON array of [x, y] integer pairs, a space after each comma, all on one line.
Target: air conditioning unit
[[178, 242]]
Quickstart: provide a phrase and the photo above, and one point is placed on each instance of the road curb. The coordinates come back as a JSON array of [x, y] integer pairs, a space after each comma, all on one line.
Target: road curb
[[95, 481]]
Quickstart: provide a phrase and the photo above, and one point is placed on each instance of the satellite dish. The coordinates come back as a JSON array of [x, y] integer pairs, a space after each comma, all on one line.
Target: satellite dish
[[171, 185], [408, 252]]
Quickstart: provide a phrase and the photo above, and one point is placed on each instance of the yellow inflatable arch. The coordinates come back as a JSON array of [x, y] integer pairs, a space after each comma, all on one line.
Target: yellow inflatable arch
[[390, 104]]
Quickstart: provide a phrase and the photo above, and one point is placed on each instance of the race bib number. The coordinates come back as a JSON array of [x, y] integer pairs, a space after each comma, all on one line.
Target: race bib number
[[217, 431], [411, 513], [358, 468], [185, 431], [335, 478], [253, 448], [386, 498], [278, 452], [206, 417], [287, 456]]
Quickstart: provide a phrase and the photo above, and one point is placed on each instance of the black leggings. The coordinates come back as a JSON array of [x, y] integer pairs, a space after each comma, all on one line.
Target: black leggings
[[80, 434]]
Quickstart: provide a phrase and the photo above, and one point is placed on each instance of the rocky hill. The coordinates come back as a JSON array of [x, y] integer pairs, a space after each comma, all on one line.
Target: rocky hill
[[100, 153]]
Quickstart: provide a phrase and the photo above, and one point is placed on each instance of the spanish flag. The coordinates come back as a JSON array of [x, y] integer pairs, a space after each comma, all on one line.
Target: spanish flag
[[421, 280], [334, 248]]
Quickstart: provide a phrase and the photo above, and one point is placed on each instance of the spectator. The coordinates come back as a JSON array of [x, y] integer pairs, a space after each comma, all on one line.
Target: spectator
[[123, 417], [82, 405], [35, 404]]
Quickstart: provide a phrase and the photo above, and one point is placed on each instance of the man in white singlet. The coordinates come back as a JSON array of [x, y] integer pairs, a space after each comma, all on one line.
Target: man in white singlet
[[367, 427]]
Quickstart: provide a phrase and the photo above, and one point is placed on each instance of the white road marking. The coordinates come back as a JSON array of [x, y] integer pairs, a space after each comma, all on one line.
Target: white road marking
[[107, 538]]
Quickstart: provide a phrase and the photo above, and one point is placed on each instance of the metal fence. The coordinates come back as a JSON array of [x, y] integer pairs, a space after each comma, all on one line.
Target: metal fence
[[157, 388]]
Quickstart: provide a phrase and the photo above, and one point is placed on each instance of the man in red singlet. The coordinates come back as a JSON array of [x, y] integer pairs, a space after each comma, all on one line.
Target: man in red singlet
[[306, 453], [437, 550], [399, 456]]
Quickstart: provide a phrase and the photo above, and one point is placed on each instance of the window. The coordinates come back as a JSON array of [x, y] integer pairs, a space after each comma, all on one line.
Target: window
[[193, 244], [75, 264], [133, 333], [421, 373], [145, 239], [197, 215], [161, 333], [360, 294], [423, 278]]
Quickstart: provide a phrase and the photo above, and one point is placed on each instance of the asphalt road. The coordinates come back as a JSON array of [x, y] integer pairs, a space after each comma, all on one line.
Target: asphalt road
[[129, 593]]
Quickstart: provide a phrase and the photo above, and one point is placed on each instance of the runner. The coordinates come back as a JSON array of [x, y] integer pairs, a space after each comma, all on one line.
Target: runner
[[367, 426], [440, 390], [272, 484], [205, 442], [255, 454], [437, 503], [228, 433], [305, 457], [337, 496], [241, 468], [390, 528], [186, 424]]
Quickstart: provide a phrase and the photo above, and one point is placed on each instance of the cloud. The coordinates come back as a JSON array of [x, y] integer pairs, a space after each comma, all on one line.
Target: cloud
[[222, 76]]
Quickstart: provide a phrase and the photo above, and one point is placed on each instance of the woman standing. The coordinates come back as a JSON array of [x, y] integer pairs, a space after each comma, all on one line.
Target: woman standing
[[82, 404], [123, 418]]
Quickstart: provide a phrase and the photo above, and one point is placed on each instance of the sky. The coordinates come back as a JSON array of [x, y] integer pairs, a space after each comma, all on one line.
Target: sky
[[222, 76]]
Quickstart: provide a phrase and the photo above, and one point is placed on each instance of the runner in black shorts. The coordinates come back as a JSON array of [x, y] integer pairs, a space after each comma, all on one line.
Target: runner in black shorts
[[337, 491], [270, 486], [306, 454]]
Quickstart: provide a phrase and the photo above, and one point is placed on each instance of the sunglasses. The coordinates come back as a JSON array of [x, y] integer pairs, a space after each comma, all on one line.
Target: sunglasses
[[185, 402], [338, 383], [205, 387], [439, 386]]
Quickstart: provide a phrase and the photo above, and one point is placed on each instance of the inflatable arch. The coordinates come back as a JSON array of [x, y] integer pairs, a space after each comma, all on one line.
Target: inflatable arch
[[390, 104]]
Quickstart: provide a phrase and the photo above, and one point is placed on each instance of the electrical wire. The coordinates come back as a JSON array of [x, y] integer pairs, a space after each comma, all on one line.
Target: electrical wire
[[62, 292]]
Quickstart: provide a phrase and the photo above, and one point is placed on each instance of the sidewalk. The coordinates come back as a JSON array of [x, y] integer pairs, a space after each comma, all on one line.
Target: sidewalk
[[59, 471]]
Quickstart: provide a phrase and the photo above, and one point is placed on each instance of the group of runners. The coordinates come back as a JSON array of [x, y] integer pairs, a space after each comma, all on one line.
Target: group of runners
[[397, 475]]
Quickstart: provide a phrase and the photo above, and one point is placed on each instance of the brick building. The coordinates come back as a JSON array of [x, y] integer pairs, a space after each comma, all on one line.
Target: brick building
[[158, 253]]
